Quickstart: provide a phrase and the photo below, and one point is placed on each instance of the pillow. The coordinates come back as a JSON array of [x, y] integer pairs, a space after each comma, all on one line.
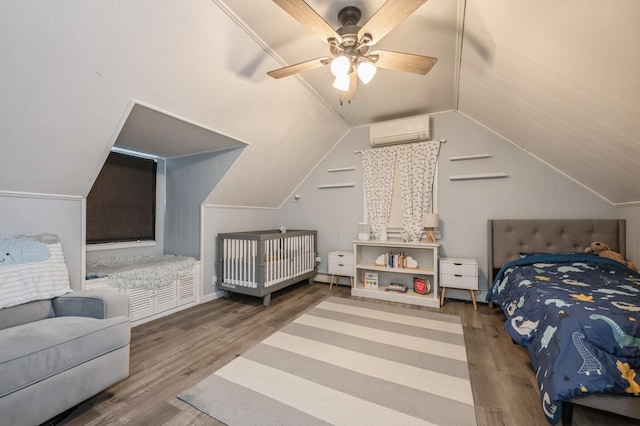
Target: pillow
[[26, 282], [525, 254]]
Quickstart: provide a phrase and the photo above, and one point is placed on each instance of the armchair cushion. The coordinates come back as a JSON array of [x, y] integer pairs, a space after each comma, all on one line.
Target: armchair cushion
[[92, 303], [41, 349], [28, 312]]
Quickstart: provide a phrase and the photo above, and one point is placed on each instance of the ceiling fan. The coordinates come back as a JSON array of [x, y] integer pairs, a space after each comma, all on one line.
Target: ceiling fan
[[349, 46]]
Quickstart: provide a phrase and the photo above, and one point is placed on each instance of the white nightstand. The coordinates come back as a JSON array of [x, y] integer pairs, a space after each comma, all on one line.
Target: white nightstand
[[460, 274], [340, 264]]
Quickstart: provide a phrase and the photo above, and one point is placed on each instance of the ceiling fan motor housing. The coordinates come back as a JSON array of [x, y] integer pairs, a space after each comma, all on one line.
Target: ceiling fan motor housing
[[349, 44], [349, 15]]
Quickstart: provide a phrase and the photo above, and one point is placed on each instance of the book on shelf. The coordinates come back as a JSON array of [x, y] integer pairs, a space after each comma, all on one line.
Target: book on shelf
[[396, 288], [396, 260], [370, 279]]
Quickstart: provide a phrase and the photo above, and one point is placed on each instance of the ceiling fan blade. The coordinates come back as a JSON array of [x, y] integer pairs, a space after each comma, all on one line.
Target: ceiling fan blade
[[388, 17], [350, 94], [297, 68], [406, 62], [308, 17]]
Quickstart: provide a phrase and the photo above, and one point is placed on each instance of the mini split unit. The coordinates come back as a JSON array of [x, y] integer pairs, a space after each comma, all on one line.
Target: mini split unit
[[404, 130]]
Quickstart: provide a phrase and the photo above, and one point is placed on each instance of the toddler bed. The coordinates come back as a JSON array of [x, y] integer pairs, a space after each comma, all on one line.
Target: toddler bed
[[258, 263], [576, 313]]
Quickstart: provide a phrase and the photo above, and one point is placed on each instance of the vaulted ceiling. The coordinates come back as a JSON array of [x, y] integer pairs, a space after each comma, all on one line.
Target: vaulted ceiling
[[562, 83], [557, 78]]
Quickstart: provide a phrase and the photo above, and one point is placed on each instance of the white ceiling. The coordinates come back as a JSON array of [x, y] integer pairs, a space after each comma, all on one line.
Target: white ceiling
[[559, 79], [149, 131], [432, 30], [70, 71], [563, 84]]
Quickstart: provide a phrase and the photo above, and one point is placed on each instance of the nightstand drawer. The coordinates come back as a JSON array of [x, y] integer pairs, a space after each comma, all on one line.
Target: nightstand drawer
[[459, 281], [341, 258], [341, 263], [458, 268], [343, 270]]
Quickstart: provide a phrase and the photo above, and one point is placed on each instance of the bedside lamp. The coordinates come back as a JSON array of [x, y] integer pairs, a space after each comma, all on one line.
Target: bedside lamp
[[431, 220]]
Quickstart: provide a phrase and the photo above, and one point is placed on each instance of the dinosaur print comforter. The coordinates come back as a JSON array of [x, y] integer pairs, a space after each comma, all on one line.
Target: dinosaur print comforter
[[578, 315]]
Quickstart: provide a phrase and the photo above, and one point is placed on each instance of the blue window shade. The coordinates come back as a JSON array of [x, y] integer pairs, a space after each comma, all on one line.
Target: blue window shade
[[121, 205]]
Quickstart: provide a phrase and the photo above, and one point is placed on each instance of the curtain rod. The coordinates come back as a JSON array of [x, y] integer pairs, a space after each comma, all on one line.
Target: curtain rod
[[360, 151]]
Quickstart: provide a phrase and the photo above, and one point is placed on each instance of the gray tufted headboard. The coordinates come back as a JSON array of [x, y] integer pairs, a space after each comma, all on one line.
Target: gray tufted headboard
[[507, 238]]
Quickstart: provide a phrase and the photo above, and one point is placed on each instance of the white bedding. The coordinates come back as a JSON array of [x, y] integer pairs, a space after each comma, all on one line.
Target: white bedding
[[140, 271]]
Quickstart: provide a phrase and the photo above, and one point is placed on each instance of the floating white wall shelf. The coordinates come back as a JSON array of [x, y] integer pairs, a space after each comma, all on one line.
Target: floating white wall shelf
[[470, 157], [479, 176], [341, 169], [337, 185]]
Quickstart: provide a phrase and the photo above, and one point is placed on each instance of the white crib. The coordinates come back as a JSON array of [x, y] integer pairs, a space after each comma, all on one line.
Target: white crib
[[258, 263]]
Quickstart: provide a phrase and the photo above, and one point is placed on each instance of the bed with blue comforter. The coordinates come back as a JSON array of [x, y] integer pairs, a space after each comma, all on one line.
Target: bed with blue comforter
[[578, 315]]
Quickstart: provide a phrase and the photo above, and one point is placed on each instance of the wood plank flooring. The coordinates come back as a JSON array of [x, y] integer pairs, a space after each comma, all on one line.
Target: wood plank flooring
[[173, 353]]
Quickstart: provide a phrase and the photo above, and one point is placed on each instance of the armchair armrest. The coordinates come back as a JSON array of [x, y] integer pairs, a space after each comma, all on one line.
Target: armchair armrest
[[98, 304]]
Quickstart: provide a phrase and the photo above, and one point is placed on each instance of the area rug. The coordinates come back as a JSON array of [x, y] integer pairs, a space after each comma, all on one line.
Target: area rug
[[347, 362]]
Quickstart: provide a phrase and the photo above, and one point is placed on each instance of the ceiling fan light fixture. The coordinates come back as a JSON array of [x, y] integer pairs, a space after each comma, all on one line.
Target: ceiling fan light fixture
[[340, 66], [366, 71], [342, 82]]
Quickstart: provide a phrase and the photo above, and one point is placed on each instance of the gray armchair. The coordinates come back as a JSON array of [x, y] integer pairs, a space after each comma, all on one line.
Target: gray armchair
[[59, 352]]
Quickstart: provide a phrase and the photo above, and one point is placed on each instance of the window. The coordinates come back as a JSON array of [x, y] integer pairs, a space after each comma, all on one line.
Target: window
[[121, 205], [399, 188]]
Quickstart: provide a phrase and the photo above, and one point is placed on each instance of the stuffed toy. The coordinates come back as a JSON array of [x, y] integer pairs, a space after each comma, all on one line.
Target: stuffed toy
[[603, 250]]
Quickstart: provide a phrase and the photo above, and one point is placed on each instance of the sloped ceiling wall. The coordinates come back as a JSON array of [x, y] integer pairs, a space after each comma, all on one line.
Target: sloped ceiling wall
[[562, 83], [70, 68], [559, 79]]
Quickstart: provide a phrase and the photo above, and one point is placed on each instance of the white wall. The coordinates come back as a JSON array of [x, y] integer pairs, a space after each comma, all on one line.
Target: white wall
[[532, 190], [189, 181], [336, 212], [632, 216]]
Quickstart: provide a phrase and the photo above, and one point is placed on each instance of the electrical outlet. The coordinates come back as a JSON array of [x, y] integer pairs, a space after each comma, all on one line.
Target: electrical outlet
[[318, 259]]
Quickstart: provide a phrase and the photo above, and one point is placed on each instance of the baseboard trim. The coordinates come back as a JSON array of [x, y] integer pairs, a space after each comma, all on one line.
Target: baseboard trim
[[211, 296]]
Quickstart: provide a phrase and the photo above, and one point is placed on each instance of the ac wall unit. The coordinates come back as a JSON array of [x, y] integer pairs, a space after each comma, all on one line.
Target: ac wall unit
[[404, 130]]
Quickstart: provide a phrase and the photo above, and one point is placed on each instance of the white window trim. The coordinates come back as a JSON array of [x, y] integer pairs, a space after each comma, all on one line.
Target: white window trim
[[120, 245]]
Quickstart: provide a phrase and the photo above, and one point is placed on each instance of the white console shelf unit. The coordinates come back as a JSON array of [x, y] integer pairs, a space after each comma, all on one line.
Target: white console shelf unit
[[426, 254]]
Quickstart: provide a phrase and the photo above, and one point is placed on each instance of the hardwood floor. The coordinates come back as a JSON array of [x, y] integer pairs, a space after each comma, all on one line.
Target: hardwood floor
[[173, 353]]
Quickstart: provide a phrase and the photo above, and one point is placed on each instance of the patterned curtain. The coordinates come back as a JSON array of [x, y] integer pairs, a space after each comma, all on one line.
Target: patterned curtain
[[417, 163], [378, 167]]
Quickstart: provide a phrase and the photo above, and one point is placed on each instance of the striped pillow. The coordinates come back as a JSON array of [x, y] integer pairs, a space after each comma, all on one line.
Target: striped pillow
[[26, 282]]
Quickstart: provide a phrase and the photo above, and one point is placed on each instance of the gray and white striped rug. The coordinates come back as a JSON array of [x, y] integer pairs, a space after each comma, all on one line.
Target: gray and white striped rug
[[347, 362]]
